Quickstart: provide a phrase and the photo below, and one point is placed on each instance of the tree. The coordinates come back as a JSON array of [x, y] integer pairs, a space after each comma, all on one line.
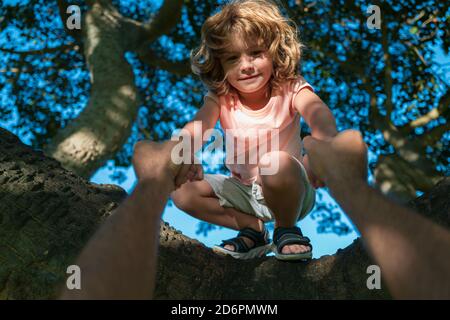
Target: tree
[[49, 213], [86, 96], [90, 96], [101, 129]]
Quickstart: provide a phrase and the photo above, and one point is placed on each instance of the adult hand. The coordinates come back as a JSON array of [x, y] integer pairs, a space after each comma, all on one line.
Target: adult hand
[[313, 179], [189, 172], [342, 159], [152, 160]]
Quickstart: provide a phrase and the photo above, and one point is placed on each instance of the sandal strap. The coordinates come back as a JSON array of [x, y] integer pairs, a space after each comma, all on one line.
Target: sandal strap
[[286, 236], [238, 243], [259, 239]]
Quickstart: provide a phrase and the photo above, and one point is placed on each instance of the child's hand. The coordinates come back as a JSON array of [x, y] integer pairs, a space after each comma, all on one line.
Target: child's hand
[[313, 179], [189, 172]]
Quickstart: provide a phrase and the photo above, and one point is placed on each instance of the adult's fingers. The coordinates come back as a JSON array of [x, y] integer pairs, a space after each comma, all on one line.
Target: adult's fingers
[[309, 142], [182, 175], [191, 175], [198, 173]]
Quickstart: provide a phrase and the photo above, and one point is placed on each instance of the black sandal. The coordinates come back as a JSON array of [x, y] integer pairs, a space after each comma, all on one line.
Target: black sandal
[[260, 247], [286, 236]]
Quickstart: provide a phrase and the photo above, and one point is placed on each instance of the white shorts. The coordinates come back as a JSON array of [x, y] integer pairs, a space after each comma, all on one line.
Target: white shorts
[[249, 199]]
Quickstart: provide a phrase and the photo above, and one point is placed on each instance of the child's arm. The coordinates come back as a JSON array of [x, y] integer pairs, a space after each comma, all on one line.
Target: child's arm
[[207, 116], [316, 114], [320, 120]]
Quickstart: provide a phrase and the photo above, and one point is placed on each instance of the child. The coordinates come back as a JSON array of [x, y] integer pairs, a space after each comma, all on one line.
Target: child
[[248, 58]]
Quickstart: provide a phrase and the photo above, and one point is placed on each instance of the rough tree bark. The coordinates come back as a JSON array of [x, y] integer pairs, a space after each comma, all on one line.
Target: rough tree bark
[[47, 214]]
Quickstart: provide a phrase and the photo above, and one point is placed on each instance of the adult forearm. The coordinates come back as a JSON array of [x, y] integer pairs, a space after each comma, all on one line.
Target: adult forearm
[[412, 252], [120, 260]]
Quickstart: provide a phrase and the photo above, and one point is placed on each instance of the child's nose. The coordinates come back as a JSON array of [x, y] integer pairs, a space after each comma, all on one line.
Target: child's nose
[[246, 63]]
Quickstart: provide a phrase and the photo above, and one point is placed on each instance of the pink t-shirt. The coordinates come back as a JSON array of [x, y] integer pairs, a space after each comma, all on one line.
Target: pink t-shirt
[[247, 128]]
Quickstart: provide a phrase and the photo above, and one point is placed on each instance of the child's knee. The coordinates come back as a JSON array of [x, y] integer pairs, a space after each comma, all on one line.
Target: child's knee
[[181, 198], [288, 173]]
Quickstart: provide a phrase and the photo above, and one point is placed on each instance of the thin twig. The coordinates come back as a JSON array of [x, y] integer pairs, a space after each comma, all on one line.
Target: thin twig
[[40, 51]]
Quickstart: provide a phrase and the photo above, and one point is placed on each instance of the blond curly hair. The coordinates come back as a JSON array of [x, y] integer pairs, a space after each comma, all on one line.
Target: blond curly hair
[[259, 20]]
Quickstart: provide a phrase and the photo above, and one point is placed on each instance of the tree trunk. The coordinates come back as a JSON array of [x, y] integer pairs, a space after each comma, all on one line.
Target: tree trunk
[[47, 214], [105, 124]]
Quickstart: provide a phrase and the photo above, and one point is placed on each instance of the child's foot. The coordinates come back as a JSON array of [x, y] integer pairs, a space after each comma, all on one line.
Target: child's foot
[[295, 248], [290, 244], [287, 249], [248, 244]]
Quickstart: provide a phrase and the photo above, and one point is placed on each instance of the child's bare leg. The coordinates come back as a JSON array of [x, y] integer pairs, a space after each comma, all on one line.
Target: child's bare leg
[[199, 200], [284, 192]]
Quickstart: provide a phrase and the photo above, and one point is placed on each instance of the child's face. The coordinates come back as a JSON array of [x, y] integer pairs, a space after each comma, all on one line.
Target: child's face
[[248, 67]]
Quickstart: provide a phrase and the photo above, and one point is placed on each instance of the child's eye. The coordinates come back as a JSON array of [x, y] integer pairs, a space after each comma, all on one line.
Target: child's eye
[[256, 52]]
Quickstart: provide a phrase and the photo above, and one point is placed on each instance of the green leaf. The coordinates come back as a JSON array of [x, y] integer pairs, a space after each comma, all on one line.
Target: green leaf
[[413, 30]]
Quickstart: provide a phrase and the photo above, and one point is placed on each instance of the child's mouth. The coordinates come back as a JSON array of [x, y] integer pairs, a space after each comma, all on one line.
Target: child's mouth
[[248, 78]]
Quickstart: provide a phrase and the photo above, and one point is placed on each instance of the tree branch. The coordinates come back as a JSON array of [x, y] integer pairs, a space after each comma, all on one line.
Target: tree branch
[[416, 18], [40, 256], [75, 207], [441, 110], [40, 51], [167, 17], [422, 59], [411, 151], [387, 69], [181, 68], [431, 18], [431, 137], [423, 120], [105, 123]]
